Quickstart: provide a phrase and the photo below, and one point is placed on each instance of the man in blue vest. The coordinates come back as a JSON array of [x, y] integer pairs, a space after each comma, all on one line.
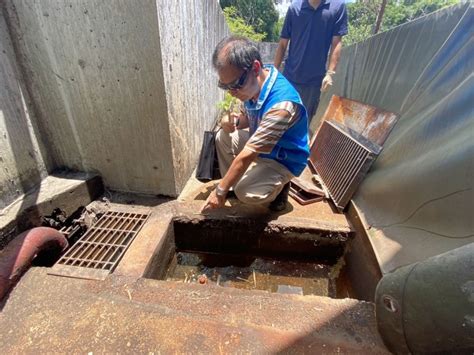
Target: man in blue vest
[[261, 149], [311, 27]]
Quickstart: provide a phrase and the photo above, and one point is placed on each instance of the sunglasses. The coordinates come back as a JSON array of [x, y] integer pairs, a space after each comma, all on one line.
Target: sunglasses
[[236, 84]]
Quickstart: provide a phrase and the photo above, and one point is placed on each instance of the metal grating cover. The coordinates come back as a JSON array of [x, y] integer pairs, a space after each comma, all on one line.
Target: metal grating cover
[[342, 158], [98, 251]]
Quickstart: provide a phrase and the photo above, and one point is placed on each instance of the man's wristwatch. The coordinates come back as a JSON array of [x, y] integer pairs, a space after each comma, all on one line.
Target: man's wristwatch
[[220, 191]]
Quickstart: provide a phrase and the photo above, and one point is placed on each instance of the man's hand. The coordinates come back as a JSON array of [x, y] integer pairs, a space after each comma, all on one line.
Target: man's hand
[[327, 81], [237, 169], [213, 202], [228, 122]]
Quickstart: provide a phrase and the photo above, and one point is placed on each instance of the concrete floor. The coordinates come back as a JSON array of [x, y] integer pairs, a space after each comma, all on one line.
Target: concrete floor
[[129, 313], [52, 314]]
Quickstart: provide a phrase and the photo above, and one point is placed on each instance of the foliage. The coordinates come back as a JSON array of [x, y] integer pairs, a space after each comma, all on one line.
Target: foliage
[[237, 25], [397, 14], [228, 104], [261, 15], [277, 29], [363, 15]]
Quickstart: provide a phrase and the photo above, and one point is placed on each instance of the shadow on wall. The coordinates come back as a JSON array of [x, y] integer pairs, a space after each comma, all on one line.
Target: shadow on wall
[[26, 161], [14, 107]]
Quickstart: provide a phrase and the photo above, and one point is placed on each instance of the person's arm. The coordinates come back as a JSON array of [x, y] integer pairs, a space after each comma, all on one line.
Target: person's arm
[[272, 127], [335, 54], [339, 30], [237, 169], [285, 37], [280, 52]]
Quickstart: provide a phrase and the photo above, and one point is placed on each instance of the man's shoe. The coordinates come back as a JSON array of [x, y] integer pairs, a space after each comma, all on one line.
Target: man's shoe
[[279, 203]]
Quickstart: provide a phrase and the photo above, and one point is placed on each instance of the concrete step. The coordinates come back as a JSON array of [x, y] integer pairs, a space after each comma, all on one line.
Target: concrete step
[[67, 191], [120, 314]]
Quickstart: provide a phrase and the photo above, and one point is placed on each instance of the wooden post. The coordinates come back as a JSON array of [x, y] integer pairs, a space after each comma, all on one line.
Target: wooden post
[[380, 16]]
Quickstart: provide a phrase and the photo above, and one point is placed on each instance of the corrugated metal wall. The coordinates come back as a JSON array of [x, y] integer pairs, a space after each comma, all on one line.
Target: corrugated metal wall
[[418, 199]]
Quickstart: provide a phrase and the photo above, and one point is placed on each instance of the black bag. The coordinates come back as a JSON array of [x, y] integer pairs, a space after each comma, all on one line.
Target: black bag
[[208, 167]]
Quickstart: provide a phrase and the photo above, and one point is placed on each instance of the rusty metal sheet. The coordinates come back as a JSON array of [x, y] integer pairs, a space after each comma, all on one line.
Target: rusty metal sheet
[[342, 158], [371, 122]]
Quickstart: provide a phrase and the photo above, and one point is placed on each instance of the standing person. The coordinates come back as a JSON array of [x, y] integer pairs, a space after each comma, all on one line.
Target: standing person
[[312, 27], [259, 163]]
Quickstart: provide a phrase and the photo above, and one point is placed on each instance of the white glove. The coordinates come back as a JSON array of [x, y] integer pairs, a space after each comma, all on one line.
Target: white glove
[[327, 81]]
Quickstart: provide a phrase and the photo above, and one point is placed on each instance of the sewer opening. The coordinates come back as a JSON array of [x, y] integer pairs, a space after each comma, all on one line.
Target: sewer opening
[[97, 252], [72, 226], [251, 255]]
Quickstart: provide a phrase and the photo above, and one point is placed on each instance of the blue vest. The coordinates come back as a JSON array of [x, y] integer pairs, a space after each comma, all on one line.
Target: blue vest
[[292, 150]]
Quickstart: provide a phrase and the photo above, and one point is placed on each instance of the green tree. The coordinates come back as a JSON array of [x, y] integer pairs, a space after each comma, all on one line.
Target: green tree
[[408, 10], [363, 14], [238, 26], [261, 15], [362, 17], [277, 29]]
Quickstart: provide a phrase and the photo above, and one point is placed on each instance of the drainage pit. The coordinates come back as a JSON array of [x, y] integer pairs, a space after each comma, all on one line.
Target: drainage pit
[[252, 273], [254, 255]]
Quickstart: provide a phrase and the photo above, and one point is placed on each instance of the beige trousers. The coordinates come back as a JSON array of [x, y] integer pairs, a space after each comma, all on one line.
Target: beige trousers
[[264, 178]]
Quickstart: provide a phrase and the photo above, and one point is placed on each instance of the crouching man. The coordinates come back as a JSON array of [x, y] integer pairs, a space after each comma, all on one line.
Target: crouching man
[[258, 163]]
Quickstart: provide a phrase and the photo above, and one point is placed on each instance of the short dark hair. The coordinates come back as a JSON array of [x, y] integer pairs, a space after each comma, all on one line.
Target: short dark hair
[[237, 51]]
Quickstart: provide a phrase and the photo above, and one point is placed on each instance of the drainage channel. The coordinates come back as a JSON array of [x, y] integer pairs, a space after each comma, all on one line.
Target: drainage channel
[[253, 273], [96, 254], [252, 255]]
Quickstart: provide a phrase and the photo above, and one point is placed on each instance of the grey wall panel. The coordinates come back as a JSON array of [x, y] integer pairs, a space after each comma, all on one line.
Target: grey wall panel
[[418, 199], [94, 68], [189, 31], [23, 160]]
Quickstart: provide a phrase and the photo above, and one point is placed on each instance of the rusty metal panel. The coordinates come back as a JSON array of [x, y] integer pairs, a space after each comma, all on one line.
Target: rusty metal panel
[[373, 123], [341, 158], [98, 251]]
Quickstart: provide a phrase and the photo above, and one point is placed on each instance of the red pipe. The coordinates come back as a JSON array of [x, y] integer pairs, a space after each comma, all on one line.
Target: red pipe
[[17, 256]]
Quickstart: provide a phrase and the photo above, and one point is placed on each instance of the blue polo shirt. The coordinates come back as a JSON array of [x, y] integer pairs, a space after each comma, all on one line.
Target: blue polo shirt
[[310, 32]]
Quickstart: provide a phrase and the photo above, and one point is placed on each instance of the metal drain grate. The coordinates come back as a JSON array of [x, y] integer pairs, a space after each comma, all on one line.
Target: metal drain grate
[[98, 251], [342, 158]]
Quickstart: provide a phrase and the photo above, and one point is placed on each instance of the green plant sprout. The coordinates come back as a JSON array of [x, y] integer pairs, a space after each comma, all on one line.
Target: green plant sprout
[[228, 104]]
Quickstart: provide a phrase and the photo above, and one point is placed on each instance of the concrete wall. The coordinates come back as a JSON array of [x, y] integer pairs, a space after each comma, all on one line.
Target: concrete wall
[[267, 51], [21, 155], [189, 32], [120, 88], [94, 69]]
